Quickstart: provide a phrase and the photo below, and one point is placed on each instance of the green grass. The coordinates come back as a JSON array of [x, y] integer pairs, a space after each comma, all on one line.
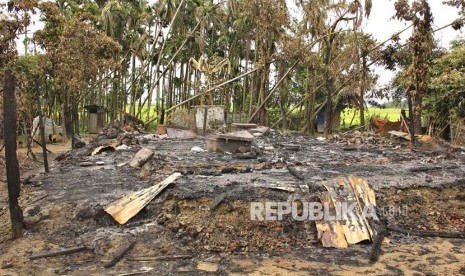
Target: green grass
[[392, 114]]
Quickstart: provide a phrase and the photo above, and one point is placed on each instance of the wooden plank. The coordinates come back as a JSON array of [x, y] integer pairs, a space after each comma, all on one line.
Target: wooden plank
[[400, 134], [243, 126], [60, 252], [130, 205], [242, 135], [216, 144], [159, 258], [120, 254]]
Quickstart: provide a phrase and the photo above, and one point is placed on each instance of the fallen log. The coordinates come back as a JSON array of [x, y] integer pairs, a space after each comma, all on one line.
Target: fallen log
[[38, 143], [128, 206], [118, 256], [159, 258], [59, 252]]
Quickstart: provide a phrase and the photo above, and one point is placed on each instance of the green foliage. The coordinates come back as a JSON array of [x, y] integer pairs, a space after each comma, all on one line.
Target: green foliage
[[446, 95]]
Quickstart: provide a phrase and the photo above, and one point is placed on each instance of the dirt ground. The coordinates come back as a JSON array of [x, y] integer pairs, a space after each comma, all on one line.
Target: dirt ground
[[201, 225]]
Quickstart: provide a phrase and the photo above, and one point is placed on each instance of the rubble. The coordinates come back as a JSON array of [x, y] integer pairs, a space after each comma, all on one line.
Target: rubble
[[206, 212], [141, 157]]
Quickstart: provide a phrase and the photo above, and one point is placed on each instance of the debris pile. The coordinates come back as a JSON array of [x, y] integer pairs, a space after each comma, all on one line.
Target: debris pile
[[115, 130], [201, 205]]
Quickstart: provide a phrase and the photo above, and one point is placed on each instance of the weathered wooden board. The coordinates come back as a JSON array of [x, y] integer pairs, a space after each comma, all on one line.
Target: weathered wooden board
[[127, 207], [243, 126], [242, 135]]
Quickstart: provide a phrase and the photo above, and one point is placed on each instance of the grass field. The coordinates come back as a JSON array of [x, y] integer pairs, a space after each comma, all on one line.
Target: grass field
[[392, 114]]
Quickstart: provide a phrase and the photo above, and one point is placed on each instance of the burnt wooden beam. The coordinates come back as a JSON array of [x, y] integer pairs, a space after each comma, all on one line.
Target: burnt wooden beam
[[120, 254], [54, 253], [42, 129], [40, 144], [12, 165]]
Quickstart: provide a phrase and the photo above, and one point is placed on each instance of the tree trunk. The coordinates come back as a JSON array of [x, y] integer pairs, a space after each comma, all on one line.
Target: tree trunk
[[328, 86], [66, 117], [12, 165], [133, 87], [42, 129], [417, 106], [361, 98]]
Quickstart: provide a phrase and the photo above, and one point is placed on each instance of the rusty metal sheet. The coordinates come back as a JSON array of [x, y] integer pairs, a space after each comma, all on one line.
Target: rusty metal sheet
[[355, 227], [330, 233], [179, 133]]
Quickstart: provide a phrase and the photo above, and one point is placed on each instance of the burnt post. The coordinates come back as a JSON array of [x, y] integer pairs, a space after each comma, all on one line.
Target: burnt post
[[42, 128], [12, 166], [411, 118]]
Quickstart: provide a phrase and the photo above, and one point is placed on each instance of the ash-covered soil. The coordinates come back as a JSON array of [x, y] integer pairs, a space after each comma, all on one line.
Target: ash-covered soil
[[201, 223]]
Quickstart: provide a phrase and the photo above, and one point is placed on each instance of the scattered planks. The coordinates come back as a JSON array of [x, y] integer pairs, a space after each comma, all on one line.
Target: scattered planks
[[130, 205], [60, 252]]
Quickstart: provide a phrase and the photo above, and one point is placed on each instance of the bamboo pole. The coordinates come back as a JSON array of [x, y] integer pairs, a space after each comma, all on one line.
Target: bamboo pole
[[273, 90]]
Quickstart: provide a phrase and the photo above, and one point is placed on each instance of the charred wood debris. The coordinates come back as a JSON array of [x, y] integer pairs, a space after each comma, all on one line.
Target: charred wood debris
[[117, 171]]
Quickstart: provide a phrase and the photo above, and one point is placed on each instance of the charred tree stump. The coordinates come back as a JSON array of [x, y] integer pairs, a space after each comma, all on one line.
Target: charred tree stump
[[42, 130], [12, 165]]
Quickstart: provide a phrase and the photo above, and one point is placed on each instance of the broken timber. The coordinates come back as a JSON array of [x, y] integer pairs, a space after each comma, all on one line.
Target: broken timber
[[59, 252], [120, 254], [127, 207]]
